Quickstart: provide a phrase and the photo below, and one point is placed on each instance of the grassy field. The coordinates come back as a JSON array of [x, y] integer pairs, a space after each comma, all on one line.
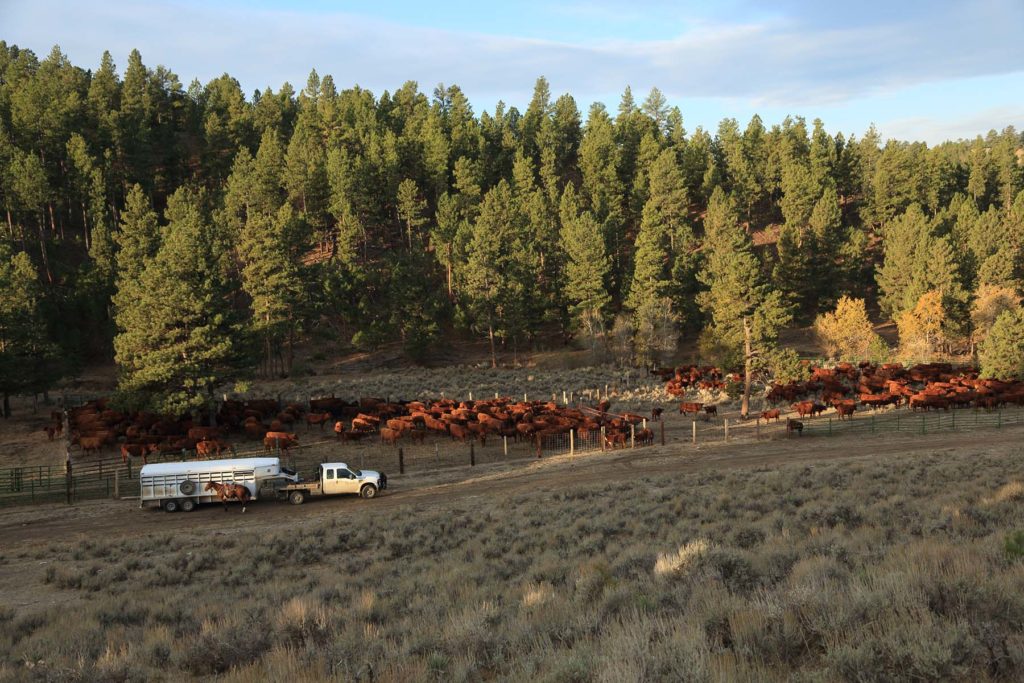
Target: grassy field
[[877, 569]]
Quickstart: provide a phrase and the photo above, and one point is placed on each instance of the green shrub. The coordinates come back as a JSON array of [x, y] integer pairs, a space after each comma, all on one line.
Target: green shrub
[[1013, 545]]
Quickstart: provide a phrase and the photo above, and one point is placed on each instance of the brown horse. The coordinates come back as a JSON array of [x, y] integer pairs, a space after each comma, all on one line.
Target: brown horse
[[228, 492]]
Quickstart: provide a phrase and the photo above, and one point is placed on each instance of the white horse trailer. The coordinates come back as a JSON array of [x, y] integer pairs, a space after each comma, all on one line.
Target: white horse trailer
[[182, 485]]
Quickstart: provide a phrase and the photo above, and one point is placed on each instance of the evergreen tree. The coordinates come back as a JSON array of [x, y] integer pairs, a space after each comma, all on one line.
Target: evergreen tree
[[496, 275], [177, 339], [906, 240], [744, 313], [29, 361], [1002, 352], [585, 269]]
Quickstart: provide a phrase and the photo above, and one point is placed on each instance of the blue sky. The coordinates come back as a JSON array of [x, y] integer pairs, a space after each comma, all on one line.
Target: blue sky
[[919, 70]]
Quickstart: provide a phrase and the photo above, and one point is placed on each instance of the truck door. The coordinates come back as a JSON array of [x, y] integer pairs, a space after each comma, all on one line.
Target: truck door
[[329, 482], [347, 482]]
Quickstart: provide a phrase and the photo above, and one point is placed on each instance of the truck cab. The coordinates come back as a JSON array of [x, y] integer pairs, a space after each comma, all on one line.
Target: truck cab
[[334, 478]]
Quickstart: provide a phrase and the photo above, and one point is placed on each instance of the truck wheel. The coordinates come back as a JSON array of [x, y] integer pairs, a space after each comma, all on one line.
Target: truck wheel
[[297, 497], [368, 491], [170, 506], [188, 505]]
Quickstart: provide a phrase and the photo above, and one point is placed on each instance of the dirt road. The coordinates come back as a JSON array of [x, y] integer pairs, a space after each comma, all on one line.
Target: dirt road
[[124, 519]]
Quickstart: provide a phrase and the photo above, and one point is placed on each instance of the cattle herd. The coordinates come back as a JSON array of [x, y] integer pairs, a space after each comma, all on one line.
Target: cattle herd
[[844, 388], [847, 388], [96, 426]]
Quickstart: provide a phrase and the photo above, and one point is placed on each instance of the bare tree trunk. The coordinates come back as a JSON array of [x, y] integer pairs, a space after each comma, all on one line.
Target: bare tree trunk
[[42, 250], [747, 357], [490, 336]]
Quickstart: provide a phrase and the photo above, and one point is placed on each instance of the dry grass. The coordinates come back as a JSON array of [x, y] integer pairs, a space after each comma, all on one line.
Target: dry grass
[[872, 570], [683, 559]]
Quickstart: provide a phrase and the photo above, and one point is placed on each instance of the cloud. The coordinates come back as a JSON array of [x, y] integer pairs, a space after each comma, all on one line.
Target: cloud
[[784, 53], [938, 129]]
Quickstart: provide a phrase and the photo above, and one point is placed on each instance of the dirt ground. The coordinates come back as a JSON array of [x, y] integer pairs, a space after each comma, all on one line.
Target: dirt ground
[[406, 493]]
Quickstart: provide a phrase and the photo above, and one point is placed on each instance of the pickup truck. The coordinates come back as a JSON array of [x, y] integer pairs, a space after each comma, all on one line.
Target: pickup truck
[[334, 478]]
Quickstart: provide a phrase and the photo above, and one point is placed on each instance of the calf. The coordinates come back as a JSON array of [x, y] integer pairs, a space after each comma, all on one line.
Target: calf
[[709, 411], [772, 414], [656, 414], [794, 426]]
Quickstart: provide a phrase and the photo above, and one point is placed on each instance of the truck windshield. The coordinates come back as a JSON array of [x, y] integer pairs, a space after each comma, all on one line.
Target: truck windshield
[[356, 472]]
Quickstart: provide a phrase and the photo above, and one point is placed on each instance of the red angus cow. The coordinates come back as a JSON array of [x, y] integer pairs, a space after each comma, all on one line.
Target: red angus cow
[[686, 408], [458, 432], [318, 419], [845, 409], [390, 436], [804, 408], [136, 450], [772, 414]]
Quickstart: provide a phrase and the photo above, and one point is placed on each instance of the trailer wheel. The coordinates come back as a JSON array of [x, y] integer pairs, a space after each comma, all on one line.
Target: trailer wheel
[[188, 505], [170, 506], [297, 497], [368, 491]]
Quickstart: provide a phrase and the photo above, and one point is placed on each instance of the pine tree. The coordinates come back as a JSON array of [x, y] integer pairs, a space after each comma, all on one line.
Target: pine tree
[[177, 340], [1002, 352], [496, 274], [410, 208], [585, 269], [990, 302], [906, 240], [138, 240], [744, 313], [29, 361]]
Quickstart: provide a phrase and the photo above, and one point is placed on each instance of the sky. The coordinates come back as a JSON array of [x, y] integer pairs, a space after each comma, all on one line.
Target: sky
[[930, 70]]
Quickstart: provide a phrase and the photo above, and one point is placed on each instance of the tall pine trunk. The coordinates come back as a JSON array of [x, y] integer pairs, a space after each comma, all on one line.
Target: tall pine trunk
[[42, 250], [490, 337], [747, 357]]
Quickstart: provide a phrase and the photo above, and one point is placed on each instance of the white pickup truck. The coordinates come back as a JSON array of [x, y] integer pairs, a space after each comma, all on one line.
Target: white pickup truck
[[334, 478]]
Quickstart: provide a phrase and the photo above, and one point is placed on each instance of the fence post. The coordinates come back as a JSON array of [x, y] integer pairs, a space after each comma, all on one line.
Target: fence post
[[68, 480], [694, 431], [524, 398], [872, 424], [953, 415], [504, 445], [117, 484], [662, 423], [830, 425], [572, 443], [129, 466], [725, 426], [565, 401], [401, 461], [603, 441], [632, 436], [922, 425], [472, 455], [437, 454], [999, 419], [538, 446]]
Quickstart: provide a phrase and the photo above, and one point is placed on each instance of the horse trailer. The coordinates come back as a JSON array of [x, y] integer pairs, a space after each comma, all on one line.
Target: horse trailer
[[182, 485]]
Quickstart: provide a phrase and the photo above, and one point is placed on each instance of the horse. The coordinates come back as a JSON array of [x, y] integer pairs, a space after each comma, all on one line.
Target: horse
[[228, 492]]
